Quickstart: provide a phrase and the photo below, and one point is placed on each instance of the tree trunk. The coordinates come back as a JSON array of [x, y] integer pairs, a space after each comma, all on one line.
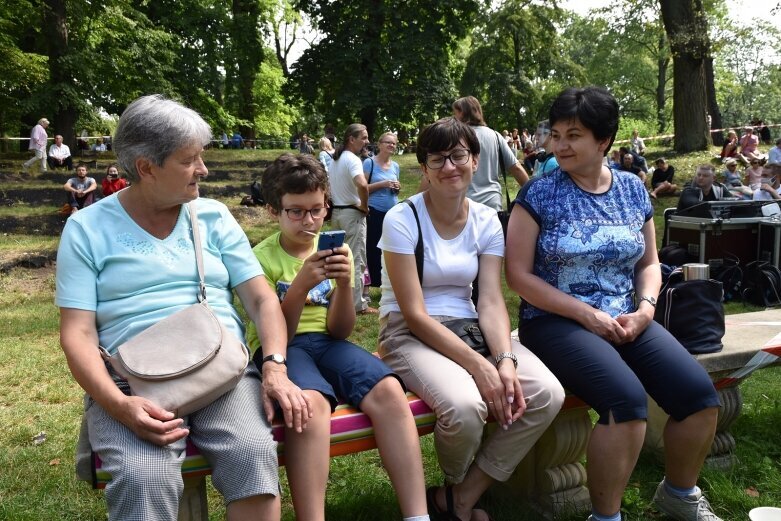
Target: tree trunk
[[713, 105], [371, 64], [687, 30], [63, 120], [248, 53], [661, 85]]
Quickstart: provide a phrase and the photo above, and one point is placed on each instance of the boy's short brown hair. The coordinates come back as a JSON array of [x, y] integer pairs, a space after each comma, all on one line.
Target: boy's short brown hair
[[293, 174]]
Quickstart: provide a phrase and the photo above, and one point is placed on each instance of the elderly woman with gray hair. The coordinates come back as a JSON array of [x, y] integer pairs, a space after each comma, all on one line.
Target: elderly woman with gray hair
[[115, 281]]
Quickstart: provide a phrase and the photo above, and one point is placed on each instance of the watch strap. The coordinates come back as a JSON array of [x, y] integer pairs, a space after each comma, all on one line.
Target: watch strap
[[648, 299], [510, 355]]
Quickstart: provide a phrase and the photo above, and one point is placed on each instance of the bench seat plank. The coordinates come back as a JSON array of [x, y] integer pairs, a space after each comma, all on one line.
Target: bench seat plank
[[351, 432]]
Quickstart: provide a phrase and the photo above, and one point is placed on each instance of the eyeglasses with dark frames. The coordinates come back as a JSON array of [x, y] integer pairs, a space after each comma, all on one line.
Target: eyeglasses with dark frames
[[297, 214], [458, 157]]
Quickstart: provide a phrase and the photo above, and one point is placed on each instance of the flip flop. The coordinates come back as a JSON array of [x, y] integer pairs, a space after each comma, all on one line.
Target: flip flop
[[449, 514], [437, 513]]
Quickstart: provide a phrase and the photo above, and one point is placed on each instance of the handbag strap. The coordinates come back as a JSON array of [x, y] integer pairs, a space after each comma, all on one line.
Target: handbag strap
[[198, 251], [371, 171], [501, 167], [419, 244]]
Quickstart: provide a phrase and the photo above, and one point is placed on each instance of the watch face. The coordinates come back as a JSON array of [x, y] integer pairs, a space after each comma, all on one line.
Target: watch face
[[276, 358]]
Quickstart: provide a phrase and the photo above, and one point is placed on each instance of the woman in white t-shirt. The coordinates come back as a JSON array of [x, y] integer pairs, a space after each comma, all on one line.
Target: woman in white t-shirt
[[461, 385]]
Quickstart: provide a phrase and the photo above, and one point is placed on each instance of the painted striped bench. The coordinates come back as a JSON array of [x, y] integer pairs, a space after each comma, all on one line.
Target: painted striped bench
[[551, 475], [351, 432]]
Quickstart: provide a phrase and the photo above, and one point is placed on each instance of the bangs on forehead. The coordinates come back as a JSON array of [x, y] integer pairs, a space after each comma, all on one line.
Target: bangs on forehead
[[446, 134], [445, 139]]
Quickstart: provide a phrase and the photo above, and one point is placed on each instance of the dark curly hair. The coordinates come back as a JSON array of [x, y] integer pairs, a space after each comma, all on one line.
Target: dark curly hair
[[293, 174]]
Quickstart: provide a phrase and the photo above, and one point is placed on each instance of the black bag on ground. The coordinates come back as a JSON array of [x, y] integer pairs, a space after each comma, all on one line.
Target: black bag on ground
[[761, 284], [730, 274], [257, 196], [673, 255], [692, 311]]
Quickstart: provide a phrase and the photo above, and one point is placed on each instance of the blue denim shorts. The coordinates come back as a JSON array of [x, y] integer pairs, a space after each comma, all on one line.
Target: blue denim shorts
[[338, 369]]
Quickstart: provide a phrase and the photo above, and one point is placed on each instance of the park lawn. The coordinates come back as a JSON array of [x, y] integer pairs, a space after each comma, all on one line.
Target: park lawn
[[39, 395]]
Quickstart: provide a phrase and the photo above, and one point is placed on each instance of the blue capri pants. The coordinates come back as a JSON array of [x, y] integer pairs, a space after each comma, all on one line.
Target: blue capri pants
[[338, 369], [615, 379]]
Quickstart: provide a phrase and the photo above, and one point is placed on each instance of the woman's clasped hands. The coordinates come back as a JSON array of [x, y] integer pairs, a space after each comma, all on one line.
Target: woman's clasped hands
[[501, 391], [620, 330]]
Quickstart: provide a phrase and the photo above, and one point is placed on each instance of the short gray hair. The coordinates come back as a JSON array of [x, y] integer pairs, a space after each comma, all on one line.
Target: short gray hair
[[154, 127]]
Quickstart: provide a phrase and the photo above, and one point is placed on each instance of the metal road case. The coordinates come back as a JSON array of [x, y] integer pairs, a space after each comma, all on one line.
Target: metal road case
[[711, 240]]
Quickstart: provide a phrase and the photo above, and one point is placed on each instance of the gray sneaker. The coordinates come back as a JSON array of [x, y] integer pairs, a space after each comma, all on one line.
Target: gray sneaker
[[690, 508]]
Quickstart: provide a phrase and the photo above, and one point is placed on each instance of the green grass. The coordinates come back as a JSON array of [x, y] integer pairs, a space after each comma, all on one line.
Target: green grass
[[27, 243], [38, 394]]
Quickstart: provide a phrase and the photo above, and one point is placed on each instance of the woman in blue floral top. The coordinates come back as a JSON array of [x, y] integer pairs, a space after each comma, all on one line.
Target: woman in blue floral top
[[577, 256]]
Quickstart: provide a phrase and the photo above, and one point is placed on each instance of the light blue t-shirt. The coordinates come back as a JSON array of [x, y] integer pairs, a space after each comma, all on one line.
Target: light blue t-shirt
[[325, 159], [546, 166], [108, 264], [383, 199], [588, 244]]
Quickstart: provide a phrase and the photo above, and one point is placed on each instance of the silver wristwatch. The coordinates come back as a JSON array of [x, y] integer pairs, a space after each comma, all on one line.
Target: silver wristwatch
[[511, 356], [648, 299]]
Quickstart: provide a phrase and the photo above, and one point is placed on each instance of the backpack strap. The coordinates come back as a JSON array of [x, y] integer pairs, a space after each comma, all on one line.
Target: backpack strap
[[419, 244], [501, 167], [371, 171]]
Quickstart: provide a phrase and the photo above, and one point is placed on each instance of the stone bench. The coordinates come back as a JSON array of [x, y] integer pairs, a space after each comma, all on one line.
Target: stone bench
[[552, 476]]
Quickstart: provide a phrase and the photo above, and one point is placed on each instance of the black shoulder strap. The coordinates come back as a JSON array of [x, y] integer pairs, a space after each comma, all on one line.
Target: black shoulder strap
[[501, 167], [371, 171], [419, 244]]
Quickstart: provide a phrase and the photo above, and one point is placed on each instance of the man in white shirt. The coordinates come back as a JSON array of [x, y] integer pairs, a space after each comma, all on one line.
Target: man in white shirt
[[771, 182], [38, 138], [59, 154], [638, 145], [350, 202], [774, 154]]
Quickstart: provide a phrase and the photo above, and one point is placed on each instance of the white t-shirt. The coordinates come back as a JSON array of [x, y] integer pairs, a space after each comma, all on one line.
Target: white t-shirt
[[341, 174], [449, 266], [774, 155], [59, 152], [761, 195]]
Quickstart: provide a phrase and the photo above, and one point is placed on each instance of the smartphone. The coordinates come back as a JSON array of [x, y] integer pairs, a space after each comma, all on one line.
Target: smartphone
[[330, 240]]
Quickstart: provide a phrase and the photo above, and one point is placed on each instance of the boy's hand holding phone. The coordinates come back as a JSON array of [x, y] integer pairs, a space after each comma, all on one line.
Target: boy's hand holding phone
[[313, 272], [338, 265]]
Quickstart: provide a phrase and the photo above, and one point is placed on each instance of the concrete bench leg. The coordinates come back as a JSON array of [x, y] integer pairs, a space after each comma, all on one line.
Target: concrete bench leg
[[722, 452], [552, 476], [193, 505]]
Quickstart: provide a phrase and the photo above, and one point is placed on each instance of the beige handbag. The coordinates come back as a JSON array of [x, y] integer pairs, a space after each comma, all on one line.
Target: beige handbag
[[185, 361]]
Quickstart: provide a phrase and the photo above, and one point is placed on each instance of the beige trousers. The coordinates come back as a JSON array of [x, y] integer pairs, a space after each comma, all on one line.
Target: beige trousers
[[461, 413], [353, 222]]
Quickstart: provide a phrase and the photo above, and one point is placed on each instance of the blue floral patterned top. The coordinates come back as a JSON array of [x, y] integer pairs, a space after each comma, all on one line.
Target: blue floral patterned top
[[588, 243]]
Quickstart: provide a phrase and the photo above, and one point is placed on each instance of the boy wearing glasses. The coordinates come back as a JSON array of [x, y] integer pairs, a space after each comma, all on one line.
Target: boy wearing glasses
[[315, 291]]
